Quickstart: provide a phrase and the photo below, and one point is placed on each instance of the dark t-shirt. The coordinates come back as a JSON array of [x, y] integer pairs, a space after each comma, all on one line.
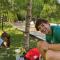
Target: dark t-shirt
[[55, 36]]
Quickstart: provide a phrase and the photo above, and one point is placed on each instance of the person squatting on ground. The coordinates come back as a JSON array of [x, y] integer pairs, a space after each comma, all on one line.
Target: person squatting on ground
[[5, 40], [50, 49]]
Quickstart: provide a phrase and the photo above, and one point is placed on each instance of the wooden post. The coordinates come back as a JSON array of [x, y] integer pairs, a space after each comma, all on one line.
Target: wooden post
[[2, 21]]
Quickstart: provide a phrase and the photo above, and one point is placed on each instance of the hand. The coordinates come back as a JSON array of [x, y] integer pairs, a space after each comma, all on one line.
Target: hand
[[5, 44], [43, 47]]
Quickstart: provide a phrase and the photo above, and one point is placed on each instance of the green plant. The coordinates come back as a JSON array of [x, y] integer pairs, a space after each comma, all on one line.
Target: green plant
[[20, 51]]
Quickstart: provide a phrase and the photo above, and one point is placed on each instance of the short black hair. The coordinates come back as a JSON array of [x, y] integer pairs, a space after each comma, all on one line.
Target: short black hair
[[39, 21], [5, 34]]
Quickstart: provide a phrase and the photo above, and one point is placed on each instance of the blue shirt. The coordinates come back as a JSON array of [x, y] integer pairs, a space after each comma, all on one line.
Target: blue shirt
[[1, 41]]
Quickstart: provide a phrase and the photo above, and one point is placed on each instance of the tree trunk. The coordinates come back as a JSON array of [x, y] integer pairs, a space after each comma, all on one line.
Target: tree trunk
[[27, 26]]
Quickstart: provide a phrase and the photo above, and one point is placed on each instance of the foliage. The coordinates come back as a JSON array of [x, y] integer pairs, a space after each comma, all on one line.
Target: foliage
[[21, 51], [40, 8], [21, 15]]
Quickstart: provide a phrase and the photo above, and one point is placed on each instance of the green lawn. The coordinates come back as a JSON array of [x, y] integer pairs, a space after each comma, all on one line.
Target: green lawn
[[16, 42]]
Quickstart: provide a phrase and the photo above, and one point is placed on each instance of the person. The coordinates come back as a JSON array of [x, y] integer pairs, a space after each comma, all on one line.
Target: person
[[5, 40], [50, 49]]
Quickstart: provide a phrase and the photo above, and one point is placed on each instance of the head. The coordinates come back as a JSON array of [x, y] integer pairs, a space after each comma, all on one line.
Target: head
[[43, 26]]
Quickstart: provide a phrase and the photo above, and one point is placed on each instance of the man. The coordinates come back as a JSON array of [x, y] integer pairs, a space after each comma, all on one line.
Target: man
[[50, 49]]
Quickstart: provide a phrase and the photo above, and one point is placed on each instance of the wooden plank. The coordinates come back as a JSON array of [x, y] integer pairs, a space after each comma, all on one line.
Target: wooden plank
[[38, 35]]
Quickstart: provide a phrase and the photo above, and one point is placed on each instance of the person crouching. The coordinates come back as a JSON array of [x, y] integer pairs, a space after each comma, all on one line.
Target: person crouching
[[5, 40]]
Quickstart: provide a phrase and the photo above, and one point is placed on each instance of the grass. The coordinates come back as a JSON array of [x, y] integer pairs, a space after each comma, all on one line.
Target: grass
[[16, 42]]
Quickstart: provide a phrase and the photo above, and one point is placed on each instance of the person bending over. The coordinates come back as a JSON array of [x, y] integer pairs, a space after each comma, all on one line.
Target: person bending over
[[50, 49]]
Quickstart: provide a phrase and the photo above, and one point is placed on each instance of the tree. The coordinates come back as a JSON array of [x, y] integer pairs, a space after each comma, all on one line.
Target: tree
[[27, 28]]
